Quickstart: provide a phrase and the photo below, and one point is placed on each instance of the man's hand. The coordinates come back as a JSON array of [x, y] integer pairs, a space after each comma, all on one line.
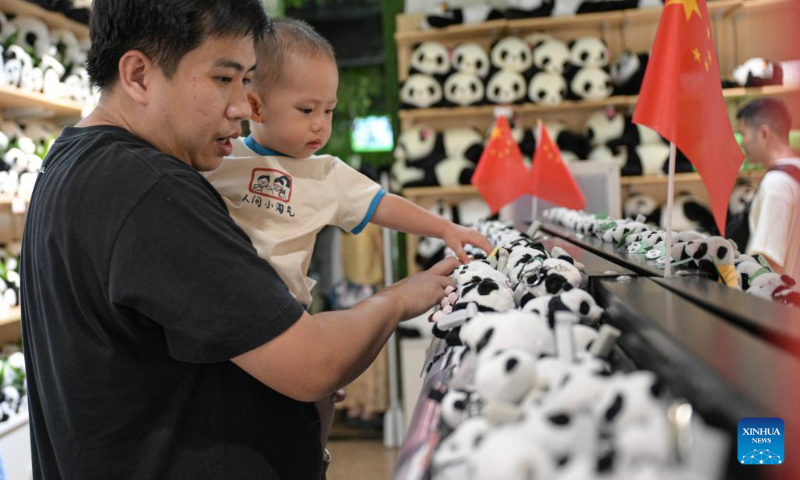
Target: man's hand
[[421, 291], [456, 236]]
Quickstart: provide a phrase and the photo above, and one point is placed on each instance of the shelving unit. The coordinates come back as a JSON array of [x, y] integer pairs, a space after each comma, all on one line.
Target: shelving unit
[[54, 20], [18, 103]]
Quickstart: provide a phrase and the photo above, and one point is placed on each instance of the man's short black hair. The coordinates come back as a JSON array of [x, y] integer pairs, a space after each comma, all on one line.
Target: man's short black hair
[[767, 111], [164, 30]]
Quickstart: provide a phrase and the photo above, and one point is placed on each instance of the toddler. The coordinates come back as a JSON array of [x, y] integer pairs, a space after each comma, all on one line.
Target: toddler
[[282, 194]]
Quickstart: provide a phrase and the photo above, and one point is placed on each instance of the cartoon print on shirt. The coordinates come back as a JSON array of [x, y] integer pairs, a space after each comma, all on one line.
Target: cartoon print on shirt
[[272, 183]]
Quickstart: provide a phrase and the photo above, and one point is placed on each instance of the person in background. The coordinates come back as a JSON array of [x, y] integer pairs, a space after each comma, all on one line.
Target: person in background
[[775, 212]]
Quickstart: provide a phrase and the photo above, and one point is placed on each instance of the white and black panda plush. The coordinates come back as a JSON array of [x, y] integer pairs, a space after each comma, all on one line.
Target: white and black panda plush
[[506, 87], [471, 58], [420, 91], [463, 89], [587, 83], [16, 64], [418, 151], [454, 454], [529, 8], [627, 73], [547, 88], [454, 171], [487, 294], [32, 35], [550, 54], [512, 54], [588, 52], [640, 204], [463, 142], [604, 126], [758, 72], [631, 398], [741, 197], [431, 58], [66, 48], [506, 377], [554, 276], [444, 15], [403, 176], [689, 214]]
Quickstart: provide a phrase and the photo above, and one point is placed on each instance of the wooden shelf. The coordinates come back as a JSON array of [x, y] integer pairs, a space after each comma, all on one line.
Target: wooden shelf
[[412, 32], [4, 200], [14, 315], [681, 178], [29, 104], [54, 20], [422, 115]]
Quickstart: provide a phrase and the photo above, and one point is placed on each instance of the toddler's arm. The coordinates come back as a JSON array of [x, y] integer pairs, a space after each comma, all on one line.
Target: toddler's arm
[[400, 214]]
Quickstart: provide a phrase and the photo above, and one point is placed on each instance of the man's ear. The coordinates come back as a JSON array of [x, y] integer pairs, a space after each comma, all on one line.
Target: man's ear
[[256, 104], [135, 68], [763, 132]]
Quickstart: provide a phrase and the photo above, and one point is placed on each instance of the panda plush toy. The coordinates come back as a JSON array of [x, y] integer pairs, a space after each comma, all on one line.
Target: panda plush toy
[[529, 8], [418, 151], [627, 73], [588, 52], [507, 87], [444, 15], [512, 54], [587, 83], [32, 35], [689, 214], [431, 58], [547, 88], [640, 204], [463, 148], [758, 72], [471, 58], [550, 55], [741, 197], [463, 89], [420, 91], [573, 146]]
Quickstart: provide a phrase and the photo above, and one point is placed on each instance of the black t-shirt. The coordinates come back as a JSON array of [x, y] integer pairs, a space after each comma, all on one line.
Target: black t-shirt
[[137, 288]]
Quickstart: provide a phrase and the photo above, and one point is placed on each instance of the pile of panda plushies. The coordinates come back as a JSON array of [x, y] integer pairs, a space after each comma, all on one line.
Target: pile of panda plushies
[[531, 393], [715, 256], [9, 280], [446, 14], [538, 68], [37, 60], [23, 147], [13, 389]]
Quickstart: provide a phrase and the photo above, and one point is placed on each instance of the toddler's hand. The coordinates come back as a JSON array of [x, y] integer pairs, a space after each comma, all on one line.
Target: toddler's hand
[[456, 236]]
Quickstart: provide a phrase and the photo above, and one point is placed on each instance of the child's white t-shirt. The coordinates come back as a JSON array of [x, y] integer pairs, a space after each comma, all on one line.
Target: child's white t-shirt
[[282, 203]]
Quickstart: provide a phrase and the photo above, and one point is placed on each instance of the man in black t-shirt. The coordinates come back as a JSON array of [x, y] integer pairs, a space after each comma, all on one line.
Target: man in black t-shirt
[[158, 344]]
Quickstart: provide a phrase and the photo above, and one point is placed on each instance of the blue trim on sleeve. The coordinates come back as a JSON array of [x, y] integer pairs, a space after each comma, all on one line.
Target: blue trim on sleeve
[[372, 207], [261, 149]]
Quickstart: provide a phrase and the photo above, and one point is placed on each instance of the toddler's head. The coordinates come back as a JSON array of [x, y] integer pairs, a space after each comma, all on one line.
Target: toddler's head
[[293, 92]]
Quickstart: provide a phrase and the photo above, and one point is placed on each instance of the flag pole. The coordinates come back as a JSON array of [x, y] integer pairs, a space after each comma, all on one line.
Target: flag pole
[[670, 197], [535, 204]]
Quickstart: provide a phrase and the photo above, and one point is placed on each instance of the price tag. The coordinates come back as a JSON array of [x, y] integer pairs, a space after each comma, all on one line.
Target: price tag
[[655, 254], [18, 206]]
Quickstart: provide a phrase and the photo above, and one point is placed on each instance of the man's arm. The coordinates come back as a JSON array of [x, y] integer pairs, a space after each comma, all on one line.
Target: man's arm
[[400, 214], [324, 352]]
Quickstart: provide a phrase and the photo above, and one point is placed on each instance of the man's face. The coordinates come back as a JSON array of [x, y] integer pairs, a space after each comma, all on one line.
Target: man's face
[[753, 143], [200, 109], [297, 113]]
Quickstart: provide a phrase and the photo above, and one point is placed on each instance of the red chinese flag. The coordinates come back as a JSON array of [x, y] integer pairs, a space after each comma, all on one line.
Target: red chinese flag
[[500, 175], [681, 98], [550, 179]]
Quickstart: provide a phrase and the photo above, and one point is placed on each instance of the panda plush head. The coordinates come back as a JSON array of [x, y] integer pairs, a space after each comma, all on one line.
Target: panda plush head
[[420, 91], [588, 52], [506, 87], [547, 88], [741, 197], [512, 54], [418, 143], [758, 72], [431, 58], [506, 376], [32, 35], [554, 276], [551, 55], [463, 89], [603, 126], [487, 294], [471, 58], [639, 204], [627, 73], [454, 406], [588, 83], [458, 448]]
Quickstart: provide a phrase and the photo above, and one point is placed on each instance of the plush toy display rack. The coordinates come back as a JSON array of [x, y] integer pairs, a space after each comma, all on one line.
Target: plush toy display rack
[[667, 328], [16, 104]]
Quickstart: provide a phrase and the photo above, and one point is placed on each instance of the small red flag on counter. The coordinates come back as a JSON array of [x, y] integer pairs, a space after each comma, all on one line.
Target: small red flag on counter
[[550, 179], [500, 176], [681, 98]]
